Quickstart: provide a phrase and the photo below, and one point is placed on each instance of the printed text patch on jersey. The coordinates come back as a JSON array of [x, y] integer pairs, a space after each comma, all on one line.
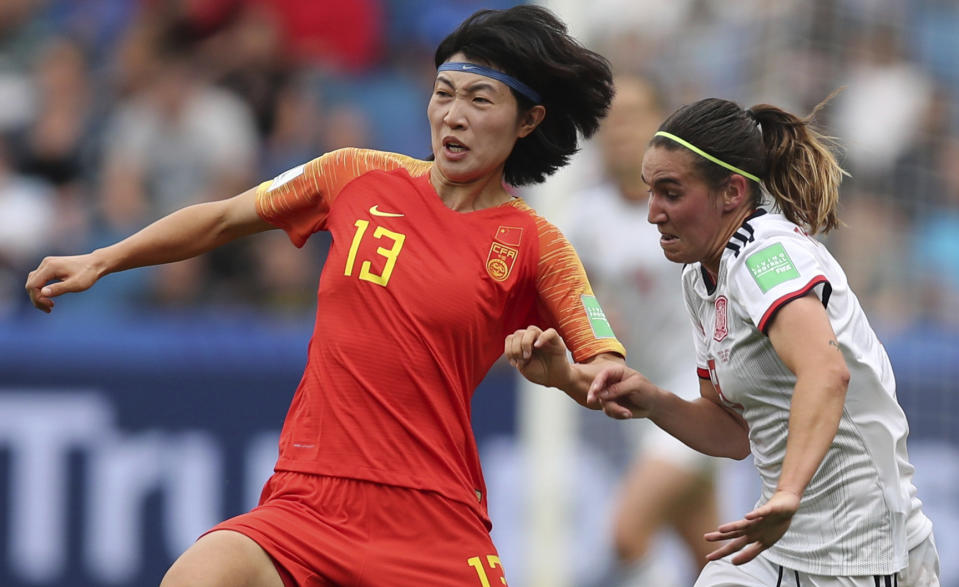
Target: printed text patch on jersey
[[597, 318], [771, 266]]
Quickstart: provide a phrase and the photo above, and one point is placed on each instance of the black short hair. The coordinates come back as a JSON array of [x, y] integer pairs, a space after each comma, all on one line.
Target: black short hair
[[531, 44]]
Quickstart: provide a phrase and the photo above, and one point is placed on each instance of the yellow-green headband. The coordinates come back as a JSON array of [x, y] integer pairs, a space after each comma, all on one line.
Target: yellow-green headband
[[702, 153]]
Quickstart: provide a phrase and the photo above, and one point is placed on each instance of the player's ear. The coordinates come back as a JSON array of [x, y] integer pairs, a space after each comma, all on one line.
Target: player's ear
[[735, 193], [531, 119]]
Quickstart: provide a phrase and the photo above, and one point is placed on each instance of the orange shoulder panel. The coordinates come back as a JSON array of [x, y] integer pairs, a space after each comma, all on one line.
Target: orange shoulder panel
[[298, 200]]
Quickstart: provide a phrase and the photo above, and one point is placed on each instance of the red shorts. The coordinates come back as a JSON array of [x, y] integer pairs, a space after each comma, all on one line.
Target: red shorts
[[334, 531]]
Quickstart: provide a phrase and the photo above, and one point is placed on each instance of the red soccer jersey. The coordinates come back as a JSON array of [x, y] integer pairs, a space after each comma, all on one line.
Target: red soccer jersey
[[415, 301]]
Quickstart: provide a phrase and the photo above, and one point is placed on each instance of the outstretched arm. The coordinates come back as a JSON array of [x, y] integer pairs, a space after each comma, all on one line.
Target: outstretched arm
[[541, 357], [703, 424], [185, 233]]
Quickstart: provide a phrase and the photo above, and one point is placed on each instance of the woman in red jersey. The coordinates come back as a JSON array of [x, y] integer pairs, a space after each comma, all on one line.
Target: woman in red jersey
[[433, 264]]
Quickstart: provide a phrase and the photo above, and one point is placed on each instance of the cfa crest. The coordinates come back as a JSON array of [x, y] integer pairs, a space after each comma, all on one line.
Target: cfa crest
[[503, 252], [500, 261]]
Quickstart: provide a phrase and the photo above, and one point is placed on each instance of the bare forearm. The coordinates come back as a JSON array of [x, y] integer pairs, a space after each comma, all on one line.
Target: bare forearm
[[181, 235], [701, 424], [185, 233]]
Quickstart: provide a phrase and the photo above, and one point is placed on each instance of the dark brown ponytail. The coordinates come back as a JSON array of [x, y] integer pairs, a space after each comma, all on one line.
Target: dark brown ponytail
[[802, 172]]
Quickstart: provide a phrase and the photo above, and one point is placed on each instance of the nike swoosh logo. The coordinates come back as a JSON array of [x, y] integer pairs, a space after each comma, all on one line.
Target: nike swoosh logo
[[375, 212]]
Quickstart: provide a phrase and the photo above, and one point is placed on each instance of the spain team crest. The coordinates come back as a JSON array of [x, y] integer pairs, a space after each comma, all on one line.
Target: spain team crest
[[503, 252], [721, 329]]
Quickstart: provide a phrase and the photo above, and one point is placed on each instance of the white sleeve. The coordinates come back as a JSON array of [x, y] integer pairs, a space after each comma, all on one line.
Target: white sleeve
[[775, 273]]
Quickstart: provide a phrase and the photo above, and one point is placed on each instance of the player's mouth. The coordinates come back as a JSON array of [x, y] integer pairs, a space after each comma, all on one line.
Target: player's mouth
[[454, 147]]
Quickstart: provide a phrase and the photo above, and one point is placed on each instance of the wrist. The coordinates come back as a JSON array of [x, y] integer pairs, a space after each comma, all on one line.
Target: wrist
[[566, 376], [654, 399], [789, 490], [99, 262]]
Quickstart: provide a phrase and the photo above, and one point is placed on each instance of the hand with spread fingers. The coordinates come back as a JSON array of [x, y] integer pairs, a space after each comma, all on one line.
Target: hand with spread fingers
[[757, 531]]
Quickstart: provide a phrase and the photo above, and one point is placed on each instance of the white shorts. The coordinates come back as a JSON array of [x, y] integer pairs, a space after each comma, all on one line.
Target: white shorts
[[923, 571]]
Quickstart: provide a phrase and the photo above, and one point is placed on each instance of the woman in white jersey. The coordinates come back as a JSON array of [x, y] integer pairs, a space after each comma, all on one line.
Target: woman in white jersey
[[790, 370]]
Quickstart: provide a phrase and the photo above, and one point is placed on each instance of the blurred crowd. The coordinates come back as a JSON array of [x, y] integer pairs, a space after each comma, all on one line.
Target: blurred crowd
[[117, 111]]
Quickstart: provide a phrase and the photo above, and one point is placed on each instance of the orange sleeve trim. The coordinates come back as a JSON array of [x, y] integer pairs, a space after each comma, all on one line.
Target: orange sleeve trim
[[561, 281]]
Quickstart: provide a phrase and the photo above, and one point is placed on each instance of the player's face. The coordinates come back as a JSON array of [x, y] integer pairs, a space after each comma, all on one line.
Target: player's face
[[688, 215], [474, 124]]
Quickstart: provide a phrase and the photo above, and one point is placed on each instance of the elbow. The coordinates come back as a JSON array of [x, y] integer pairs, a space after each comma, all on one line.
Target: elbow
[[732, 446], [844, 378], [840, 377], [831, 377], [739, 449], [737, 452]]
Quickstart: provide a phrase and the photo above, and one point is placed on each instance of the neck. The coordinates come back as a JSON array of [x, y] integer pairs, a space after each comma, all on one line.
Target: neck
[[471, 196], [730, 224]]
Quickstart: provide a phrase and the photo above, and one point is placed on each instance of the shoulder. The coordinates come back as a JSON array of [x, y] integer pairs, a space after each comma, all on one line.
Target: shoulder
[[779, 264], [324, 177], [762, 233], [543, 228], [360, 161]]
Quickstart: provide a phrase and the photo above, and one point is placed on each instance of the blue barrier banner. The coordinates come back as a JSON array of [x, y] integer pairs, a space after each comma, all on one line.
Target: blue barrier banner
[[122, 441]]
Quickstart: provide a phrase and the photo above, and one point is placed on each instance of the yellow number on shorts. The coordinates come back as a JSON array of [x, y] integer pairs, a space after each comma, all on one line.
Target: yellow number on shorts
[[493, 561], [391, 253]]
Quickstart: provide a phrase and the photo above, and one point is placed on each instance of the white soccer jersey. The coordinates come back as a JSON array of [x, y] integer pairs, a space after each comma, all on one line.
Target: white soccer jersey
[[859, 514]]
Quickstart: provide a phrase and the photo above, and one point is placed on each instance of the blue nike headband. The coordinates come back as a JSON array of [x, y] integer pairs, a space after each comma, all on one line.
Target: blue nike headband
[[492, 73]]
